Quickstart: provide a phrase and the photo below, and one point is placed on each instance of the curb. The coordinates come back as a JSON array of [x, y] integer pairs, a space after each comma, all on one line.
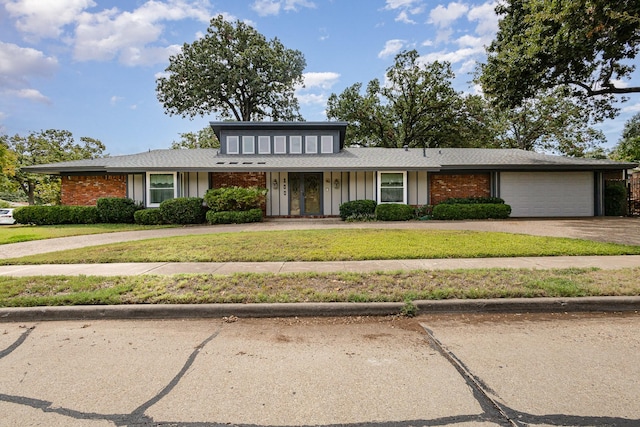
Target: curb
[[424, 307]]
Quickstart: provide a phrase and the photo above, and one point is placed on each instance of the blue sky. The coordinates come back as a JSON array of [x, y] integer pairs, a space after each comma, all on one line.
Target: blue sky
[[89, 66]]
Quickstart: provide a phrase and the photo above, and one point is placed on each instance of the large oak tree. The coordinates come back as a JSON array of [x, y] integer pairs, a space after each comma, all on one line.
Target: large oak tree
[[586, 47], [233, 71]]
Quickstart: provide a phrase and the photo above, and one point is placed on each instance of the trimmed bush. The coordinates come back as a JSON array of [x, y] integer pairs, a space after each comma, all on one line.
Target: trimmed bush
[[151, 216], [183, 210], [615, 198], [116, 210], [235, 198], [445, 211], [234, 217], [357, 208], [56, 215], [394, 212], [473, 201]]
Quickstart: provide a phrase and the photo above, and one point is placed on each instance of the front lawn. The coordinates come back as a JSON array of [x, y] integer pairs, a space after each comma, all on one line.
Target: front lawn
[[25, 233], [329, 245]]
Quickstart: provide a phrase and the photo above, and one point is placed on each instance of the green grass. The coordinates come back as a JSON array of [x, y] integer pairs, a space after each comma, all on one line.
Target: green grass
[[330, 245], [314, 287], [25, 233]]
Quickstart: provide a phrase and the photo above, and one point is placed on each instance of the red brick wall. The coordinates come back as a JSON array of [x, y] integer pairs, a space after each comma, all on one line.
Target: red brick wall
[[442, 186], [238, 179], [86, 190]]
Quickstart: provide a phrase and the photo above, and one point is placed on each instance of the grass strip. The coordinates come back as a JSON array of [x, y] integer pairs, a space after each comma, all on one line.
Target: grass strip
[[315, 287], [329, 245]]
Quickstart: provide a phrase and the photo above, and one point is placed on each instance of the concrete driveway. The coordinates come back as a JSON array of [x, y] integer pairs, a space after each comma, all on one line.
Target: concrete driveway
[[604, 229], [463, 370]]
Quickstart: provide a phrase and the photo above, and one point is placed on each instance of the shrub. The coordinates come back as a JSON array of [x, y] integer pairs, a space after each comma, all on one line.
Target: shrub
[[357, 207], [235, 198], [183, 210], [55, 215], [394, 212], [234, 217], [471, 211], [473, 201], [4, 204], [423, 212], [615, 198], [151, 216], [116, 209]]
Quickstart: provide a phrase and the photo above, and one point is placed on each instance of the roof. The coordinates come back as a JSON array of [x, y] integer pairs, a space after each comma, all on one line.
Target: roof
[[349, 159]]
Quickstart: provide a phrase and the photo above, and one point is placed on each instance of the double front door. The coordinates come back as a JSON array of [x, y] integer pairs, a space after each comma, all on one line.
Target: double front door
[[305, 193]]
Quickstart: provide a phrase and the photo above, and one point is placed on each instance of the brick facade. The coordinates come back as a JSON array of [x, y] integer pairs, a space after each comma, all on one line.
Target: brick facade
[[86, 190], [443, 186], [238, 179]]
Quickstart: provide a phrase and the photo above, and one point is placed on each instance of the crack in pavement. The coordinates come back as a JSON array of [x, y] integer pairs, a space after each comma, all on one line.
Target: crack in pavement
[[17, 343]]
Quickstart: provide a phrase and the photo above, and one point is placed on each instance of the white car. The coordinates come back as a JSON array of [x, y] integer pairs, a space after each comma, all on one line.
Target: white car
[[6, 216]]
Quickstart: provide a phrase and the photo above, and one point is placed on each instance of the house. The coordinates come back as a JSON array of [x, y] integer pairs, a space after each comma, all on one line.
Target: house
[[309, 172]]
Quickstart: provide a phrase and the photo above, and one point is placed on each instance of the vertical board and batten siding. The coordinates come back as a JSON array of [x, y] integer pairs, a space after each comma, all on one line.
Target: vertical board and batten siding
[[194, 184], [334, 197], [417, 188], [548, 194], [136, 187], [363, 185], [277, 198]]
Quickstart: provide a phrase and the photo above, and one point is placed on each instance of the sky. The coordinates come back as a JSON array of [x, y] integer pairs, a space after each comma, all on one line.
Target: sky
[[90, 66]]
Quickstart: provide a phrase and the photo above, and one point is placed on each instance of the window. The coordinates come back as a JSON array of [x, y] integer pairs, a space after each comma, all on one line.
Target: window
[[160, 187], [233, 145], [296, 144], [327, 143], [280, 144], [264, 145], [391, 187], [311, 144], [248, 145]]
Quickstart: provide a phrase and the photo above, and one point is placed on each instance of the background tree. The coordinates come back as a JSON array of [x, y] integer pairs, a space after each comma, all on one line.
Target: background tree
[[235, 72], [584, 46], [550, 122], [628, 147], [417, 107], [204, 138], [44, 147]]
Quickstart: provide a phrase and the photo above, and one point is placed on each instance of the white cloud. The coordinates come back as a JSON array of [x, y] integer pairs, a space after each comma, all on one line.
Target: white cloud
[[20, 62], [46, 18], [127, 35], [391, 48], [406, 9], [444, 16], [115, 100], [452, 57], [486, 17], [311, 98], [404, 17], [273, 7], [323, 80], [397, 4], [30, 94], [635, 108]]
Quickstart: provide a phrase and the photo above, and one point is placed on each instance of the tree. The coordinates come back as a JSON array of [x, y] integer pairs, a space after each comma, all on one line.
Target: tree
[[204, 138], [235, 72], [418, 107], [549, 122], [49, 146], [628, 147], [586, 47]]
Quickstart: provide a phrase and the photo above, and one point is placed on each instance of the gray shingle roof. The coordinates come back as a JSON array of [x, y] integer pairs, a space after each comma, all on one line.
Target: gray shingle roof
[[349, 159]]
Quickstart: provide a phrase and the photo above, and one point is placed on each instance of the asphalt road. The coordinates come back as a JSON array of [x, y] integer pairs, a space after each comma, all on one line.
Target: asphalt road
[[462, 370]]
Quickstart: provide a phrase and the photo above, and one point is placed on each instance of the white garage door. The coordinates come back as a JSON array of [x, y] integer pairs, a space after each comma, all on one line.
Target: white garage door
[[539, 194]]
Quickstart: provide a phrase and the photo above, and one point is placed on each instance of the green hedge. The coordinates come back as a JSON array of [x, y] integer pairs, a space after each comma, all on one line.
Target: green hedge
[[55, 215], [183, 210], [615, 199], [151, 216], [234, 217], [394, 212], [116, 210], [471, 211], [355, 208], [473, 201], [235, 198]]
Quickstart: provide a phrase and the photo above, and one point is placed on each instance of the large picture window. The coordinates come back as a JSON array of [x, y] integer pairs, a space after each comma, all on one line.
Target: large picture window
[[160, 187], [392, 187]]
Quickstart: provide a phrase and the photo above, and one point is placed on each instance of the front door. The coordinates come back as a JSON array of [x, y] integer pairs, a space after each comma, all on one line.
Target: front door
[[305, 193]]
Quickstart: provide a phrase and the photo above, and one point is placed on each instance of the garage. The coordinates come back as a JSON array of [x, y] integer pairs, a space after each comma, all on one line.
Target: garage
[[548, 194]]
